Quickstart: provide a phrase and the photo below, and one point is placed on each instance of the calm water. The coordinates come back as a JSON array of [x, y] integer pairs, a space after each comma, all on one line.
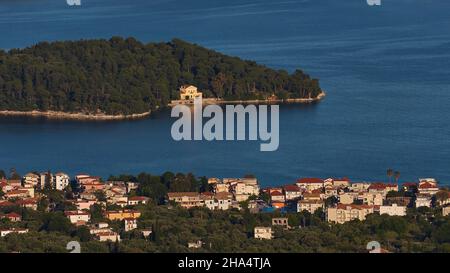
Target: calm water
[[386, 71]]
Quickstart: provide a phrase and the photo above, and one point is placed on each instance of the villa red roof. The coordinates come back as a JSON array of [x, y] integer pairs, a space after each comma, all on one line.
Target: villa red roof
[[427, 185], [291, 188], [381, 186], [276, 193], [353, 206], [13, 215], [6, 204], [309, 180]]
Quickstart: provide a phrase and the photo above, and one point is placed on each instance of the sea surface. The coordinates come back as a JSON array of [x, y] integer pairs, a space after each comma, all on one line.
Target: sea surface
[[386, 71]]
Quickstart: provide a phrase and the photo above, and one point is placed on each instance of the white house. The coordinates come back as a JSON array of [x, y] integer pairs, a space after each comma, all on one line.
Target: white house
[[78, 217], [393, 210], [263, 233], [130, 224], [292, 192], [4, 232], [31, 179], [61, 181], [423, 200], [310, 205]]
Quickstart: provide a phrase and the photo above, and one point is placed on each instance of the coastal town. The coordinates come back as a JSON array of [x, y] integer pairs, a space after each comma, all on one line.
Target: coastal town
[[340, 200]]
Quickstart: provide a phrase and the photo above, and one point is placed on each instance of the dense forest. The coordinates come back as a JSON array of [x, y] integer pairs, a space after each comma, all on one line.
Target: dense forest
[[125, 76], [422, 230]]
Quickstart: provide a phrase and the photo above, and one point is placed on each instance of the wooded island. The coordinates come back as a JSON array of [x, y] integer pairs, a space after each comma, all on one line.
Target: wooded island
[[124, 77]]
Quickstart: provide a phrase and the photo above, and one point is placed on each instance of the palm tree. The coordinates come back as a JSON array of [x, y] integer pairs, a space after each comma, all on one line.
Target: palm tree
[[389, 173], [396, 176]]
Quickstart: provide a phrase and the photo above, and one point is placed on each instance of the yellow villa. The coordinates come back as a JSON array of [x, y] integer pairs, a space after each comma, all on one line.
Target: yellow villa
[[121, 215], [189, 92]]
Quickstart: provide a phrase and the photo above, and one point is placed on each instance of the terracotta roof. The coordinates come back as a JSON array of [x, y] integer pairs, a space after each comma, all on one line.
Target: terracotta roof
[[13, 215], [6, 204], [181, 194], [381, 186], [138, 198], [276, 193], [16, 192], [26, 202], [309, 180], [353, 206], [427, 185], [291, 188], [222, 196]]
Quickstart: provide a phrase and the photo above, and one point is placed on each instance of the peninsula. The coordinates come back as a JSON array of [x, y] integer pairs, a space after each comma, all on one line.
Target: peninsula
[[124, 78]]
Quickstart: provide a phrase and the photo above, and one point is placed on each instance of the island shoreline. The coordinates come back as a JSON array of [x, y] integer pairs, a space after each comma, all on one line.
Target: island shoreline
[[104, 117], [212, 101], [72, 116]]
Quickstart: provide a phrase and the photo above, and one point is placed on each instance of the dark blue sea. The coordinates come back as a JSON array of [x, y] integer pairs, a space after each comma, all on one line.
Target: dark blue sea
[[386, 71]]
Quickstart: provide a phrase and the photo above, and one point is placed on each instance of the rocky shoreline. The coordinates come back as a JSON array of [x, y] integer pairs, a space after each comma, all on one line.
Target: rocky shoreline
[[209, 101], [296, 100], [72, 116]]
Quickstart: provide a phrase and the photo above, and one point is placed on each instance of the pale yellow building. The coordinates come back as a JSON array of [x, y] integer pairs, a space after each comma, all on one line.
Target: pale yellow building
[[371, 198], [189, 92], [393, 210], [445, 211], [310, 205], [263, 233], [186, 199], [121, 215], [347, 198], [31, 179], [344, 213]]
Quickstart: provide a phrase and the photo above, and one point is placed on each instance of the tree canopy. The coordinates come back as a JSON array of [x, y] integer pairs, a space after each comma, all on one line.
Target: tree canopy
[[125, 76]]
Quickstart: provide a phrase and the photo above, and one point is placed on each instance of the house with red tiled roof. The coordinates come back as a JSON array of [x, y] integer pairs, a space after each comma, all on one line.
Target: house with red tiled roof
[[6, 203], [185, 199], [5, 187], [78, 217], [22, 193], [108, 236], [310, 183], [428, 188], [12, 216], [16, 183], [277, 196], [28, 203], [310, 205], [340, 182], [292, 192], [316, 196], [136, 200], [344, 213], [382, 188]]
